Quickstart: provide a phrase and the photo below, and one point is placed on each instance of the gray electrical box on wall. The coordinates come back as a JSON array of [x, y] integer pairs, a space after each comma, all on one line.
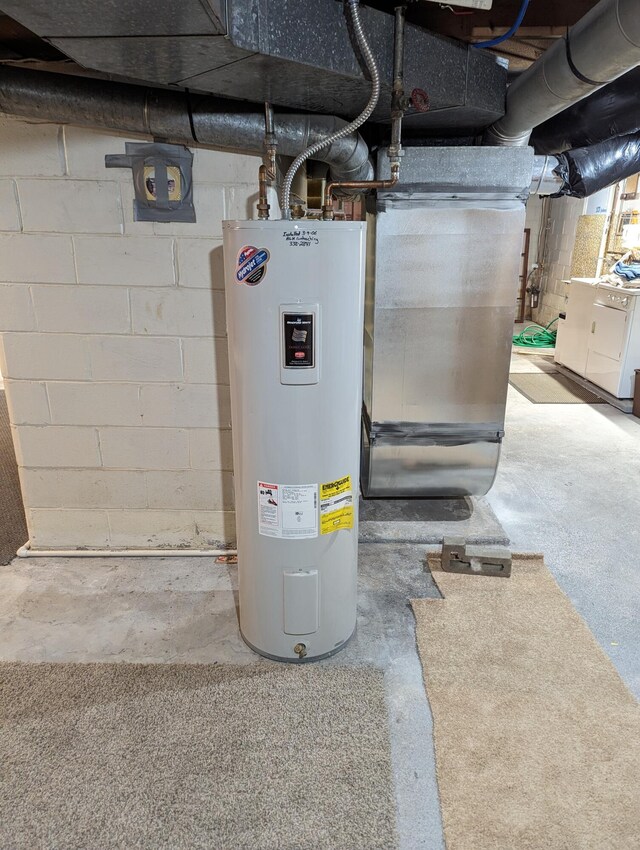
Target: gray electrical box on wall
[[162, 180]]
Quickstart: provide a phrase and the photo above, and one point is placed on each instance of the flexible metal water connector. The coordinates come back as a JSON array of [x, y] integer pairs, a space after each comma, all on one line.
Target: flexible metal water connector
[[370, 62]]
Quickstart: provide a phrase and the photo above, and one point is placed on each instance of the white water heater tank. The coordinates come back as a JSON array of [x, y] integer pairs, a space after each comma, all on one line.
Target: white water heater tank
[[295, 302]]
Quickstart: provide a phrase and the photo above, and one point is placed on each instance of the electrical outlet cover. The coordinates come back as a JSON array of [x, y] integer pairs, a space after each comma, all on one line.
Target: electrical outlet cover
[[162, 180]]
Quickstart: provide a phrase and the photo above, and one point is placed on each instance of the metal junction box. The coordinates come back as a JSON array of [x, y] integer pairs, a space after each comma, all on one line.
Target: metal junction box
[[442, 276]]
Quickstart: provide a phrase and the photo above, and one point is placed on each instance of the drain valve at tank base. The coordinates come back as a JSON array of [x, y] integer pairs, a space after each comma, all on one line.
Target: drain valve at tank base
[[300, 650]]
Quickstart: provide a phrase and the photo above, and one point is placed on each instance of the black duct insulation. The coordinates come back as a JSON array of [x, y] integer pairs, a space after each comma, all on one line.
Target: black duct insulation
[[587, 170], [611, 111]]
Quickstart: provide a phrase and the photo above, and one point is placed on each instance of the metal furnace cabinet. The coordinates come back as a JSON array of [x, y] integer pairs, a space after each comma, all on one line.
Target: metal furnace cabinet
[[443, 261]]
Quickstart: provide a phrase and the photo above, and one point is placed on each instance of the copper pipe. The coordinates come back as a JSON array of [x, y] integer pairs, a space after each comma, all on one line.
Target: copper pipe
[[327, 208], [263, 203], [398, 105]]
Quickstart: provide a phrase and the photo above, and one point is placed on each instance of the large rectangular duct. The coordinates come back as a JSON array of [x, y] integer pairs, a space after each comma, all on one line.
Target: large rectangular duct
[[294, 53], [443, 262]]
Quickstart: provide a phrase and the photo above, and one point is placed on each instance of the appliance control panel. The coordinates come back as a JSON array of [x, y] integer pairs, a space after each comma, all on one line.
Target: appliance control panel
[[613, 299], [299, 335]]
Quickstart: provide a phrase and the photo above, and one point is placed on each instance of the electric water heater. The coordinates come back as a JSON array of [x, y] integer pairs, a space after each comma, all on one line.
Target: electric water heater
[[295, 303]]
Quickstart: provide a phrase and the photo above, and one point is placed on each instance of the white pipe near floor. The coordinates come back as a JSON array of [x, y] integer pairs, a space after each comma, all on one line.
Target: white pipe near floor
[[27, 552]]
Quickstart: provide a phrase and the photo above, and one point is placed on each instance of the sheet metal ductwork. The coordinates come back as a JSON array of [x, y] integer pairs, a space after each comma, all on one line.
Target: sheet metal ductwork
[[293, 53], [175, 117], [439, 312], [602, 46]]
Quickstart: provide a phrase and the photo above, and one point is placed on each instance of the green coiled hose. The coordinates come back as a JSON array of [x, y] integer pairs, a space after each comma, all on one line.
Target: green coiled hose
[[536, 336]]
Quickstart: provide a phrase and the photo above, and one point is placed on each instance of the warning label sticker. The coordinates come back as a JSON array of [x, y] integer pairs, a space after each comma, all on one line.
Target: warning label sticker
[[336, 505], [288, 510], [269, 521]]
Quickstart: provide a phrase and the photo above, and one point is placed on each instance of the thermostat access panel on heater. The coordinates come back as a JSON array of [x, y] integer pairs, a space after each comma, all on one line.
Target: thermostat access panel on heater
[[299, 335]]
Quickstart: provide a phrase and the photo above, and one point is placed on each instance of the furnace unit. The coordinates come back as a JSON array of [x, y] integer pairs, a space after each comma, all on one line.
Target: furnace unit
[[295, 300], [442, 278]]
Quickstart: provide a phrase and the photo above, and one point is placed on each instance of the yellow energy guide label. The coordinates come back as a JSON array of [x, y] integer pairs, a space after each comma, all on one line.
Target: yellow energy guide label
[[336, 505]]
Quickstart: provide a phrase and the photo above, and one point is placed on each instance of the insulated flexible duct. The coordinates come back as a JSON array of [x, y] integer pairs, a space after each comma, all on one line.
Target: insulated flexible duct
[[602, 46], [177, 116], [587, 170]]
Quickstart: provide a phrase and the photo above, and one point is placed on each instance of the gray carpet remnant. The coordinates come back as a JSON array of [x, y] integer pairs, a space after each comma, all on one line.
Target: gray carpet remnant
[[183, 756]]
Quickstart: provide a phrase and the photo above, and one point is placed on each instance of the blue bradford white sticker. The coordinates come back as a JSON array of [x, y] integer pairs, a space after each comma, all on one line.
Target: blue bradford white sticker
[[252, 265]]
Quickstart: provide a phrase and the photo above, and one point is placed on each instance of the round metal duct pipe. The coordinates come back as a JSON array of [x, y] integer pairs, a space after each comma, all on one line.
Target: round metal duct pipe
[[177, 116], [545, 180], [602, 46], [611, 111]]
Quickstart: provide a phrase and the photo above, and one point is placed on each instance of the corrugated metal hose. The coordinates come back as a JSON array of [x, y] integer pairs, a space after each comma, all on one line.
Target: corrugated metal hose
[[352, 5]]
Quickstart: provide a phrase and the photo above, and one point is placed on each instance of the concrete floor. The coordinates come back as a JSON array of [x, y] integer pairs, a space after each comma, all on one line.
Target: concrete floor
[[568, 486], [157, 610]]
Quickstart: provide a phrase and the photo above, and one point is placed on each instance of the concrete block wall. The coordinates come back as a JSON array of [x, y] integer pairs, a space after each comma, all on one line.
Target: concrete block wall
[[113, 344], [565, 213]]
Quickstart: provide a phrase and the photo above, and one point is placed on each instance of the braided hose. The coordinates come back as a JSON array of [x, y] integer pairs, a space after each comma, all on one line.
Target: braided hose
[[370, 62]]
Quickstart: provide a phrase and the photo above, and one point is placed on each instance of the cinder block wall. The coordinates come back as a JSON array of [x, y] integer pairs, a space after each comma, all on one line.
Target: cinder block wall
[[565, 213], [112, 344]]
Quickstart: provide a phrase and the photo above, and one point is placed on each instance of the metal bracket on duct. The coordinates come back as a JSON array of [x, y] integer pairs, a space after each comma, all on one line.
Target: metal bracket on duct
[[172, 116], [602, 46]]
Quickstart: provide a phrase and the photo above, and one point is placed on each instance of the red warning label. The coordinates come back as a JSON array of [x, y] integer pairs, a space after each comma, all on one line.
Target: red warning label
[[269, 509]]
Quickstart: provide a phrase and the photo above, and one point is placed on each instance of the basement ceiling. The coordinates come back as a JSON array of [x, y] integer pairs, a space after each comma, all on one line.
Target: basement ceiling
[[544, 22], [294, 53]]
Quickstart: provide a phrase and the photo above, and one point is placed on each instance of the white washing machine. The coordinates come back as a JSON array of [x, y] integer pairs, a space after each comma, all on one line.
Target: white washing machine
[[572, 342], [614, 340]]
